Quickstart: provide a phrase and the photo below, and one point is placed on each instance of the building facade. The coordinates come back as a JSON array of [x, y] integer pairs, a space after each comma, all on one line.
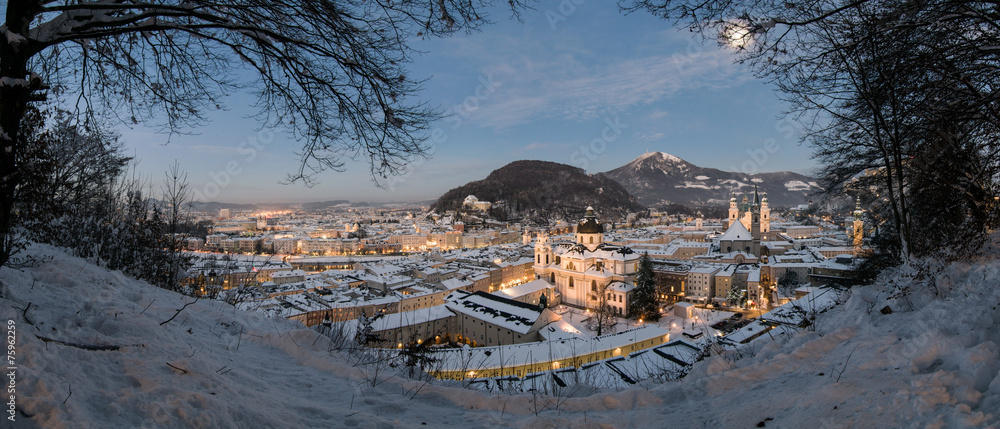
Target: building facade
[[583, 270]]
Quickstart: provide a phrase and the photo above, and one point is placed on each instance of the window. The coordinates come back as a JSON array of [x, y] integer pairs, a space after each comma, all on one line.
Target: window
[[570, 282], [591, 240], [593, 285]]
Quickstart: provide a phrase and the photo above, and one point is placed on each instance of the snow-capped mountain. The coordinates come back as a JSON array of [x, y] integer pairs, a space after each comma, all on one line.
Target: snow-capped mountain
[[658, 177]]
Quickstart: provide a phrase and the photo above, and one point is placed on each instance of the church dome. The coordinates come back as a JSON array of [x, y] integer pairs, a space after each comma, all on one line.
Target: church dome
[[589, 225]]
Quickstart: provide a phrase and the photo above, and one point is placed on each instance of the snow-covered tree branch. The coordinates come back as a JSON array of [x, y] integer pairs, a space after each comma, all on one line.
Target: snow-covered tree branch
[[332, 73]]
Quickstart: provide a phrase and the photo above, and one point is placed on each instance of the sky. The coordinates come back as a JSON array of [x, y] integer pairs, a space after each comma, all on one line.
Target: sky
[[586, 86]]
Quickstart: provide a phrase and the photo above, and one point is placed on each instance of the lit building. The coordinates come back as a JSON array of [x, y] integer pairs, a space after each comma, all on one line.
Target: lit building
[[472, 202], [742, 212], [582, 271]]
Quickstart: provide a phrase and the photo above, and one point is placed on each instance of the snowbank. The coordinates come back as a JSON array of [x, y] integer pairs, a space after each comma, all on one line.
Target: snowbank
[[931, 362]]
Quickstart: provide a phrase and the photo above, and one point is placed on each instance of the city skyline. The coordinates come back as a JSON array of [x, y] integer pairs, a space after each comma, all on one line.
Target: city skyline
[[545, 88]]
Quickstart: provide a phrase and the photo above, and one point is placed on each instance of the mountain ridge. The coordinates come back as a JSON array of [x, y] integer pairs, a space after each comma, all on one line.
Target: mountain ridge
[[658, 178]]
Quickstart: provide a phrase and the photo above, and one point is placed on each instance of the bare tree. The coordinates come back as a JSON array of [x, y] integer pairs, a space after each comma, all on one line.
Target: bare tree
[[603, 316], [330, 72], [899, 99], [175, 193]]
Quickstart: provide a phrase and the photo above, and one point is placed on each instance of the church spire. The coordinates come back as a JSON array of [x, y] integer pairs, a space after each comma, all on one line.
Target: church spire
[[755, 207]]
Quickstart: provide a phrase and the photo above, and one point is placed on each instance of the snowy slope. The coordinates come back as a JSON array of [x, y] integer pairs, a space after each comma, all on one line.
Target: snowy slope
[[935, 365]]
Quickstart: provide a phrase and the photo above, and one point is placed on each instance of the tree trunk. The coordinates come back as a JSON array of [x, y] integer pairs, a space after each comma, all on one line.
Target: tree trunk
[[16, 90]]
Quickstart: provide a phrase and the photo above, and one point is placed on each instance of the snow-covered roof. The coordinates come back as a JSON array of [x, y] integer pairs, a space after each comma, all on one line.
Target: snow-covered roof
[[483, 358], [560, 330], [454, 283], [736, 232], [795, 312], [621, 287], [603, 251], [292, 273], [407, 318], [524, 289], [507, 313], [704, 270]]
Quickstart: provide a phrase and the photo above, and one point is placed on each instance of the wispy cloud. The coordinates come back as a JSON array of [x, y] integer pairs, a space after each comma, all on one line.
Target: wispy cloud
[[213, 149], [657, 114], [650, 137], [533, 147], [579, 89]]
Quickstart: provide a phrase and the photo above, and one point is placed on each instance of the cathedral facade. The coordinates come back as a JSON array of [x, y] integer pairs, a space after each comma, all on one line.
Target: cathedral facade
[[747, 222], [742, 212]]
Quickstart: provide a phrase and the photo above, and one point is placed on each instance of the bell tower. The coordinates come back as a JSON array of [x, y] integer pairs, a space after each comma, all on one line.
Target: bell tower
[[543, 251], [755, 223], [734, 211], [765, 215]]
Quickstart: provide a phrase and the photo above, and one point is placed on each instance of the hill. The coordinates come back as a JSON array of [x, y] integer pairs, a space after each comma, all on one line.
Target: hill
[[545, 189], [932, 362], [660, 178]]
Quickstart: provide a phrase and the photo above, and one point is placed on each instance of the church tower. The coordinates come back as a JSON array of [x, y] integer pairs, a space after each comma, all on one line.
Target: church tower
[[734, 211], [589, 232], [765, 215], [755, 223], [859, 224], [543, 251]]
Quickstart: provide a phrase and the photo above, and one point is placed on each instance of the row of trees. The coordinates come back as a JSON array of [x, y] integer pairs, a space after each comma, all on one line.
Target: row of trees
[[899, 98], [77, 192]]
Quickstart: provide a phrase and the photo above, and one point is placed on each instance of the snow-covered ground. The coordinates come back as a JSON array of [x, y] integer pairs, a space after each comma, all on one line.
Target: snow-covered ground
[[931, 362]]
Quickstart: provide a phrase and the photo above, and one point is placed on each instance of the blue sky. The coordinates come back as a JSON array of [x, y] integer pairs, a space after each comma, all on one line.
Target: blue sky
[[591, 88]]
